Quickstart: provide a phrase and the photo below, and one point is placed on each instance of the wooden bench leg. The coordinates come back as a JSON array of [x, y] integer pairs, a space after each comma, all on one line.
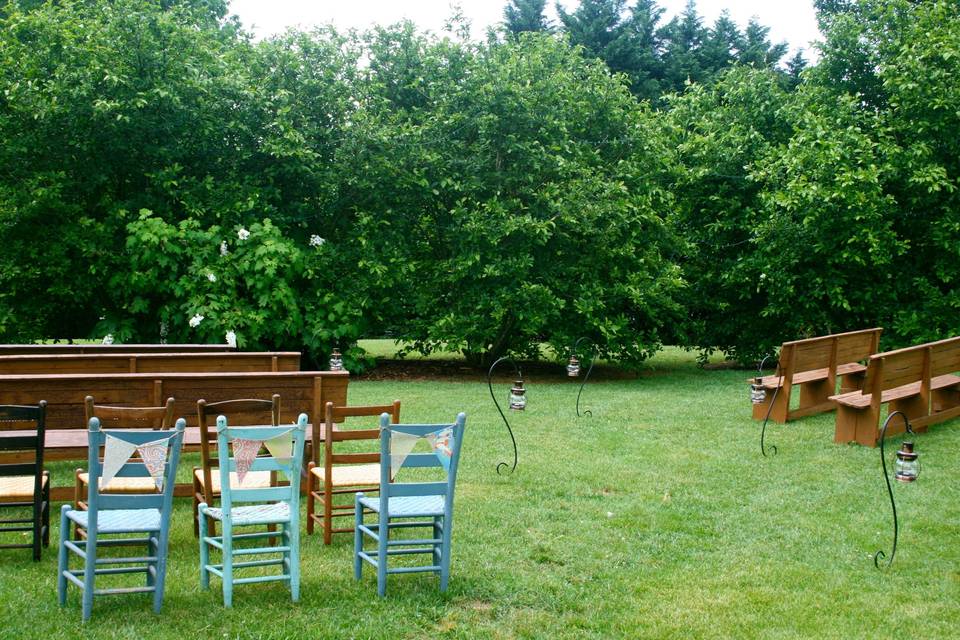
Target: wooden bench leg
[[779, 411], [944, 399], [914, 408], [856, 425], [815, 392], [852, 382]]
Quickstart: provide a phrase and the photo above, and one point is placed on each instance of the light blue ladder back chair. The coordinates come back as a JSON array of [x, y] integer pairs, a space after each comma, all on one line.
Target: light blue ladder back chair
[[110, 518], [404, 505], [241, 507]]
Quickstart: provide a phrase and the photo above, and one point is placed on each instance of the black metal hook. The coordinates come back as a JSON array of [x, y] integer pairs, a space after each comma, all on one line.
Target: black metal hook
[[879, 555], [505, 421], [593, 355], [763, 430]]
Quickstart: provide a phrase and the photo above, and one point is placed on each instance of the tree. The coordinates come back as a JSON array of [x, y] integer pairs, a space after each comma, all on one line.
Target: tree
[[525, 15]]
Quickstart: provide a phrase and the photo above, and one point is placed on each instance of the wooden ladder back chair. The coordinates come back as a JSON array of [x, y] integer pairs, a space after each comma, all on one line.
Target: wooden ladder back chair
[[112, 518], [342, 472], [411, 505], [25, 484], [206, 478], [115, 417], [243, 506]]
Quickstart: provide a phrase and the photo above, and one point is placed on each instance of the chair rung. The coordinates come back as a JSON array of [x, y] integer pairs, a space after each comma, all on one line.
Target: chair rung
[[401, 552], [391, 543], [370, 532], [366, 556], [123, 590], [413, 569], [143, 559], [258, 550], [73, 546], [120, 542], [218, 568], [278, 578], [119, 570], [16, 504], [14, 529]]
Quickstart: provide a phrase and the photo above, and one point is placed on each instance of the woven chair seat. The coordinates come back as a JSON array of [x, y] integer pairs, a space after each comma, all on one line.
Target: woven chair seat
[[252, 480], [352, 475], [408, 506], [254, 514], [120, 520], [16, 487], [131, 484]]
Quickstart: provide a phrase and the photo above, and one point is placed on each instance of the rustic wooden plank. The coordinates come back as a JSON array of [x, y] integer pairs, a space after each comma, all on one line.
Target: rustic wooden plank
[[149, 362], [19, 349]]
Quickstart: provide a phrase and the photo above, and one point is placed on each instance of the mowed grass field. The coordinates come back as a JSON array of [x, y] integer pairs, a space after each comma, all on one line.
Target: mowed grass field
[[656, 517]]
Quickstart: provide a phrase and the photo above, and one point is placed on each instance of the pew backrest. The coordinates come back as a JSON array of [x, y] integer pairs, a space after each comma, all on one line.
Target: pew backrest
[[185, 362]]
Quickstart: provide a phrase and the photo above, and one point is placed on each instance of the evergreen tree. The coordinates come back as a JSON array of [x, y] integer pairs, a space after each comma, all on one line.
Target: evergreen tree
[[722, 45], [794, 67], [647, 76], [683, 39], [525, 15], [758, 50]]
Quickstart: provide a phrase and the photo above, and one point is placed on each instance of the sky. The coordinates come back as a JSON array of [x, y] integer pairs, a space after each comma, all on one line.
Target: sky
[[790, 20]]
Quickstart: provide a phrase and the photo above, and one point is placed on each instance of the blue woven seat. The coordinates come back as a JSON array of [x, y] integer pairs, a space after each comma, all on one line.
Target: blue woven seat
[[408, 506], [401, 503], [244, 505], [255, 514], [120, 520], [109, 514]]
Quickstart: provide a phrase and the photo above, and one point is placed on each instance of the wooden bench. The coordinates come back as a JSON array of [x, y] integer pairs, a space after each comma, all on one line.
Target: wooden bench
[[61, 363], [816, 364], [920, 381], [66, 439], [27, 349]]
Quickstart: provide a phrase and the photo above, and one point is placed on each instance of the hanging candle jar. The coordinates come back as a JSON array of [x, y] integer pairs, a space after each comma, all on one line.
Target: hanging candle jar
[[336, 360], [518, 397], [907, 466], [573, 367], [757, 392]]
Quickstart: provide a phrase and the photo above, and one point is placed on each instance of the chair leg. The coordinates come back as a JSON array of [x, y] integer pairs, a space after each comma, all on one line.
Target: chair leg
[[204, 548], [62, 558], [163, 545], [383, 529], [357, 538], [89, 572], [445, 552], [46, 512], [311, 500], [227, 528], [37, 525], [327, 514], [152, 551], [294, 557]]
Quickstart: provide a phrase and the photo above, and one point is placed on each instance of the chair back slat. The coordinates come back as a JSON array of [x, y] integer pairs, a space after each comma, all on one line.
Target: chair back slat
[[109, 501], [338, 415], [290, 493], [115, 417], [30, 443], [18, 469], [419, 489], [18, 443]]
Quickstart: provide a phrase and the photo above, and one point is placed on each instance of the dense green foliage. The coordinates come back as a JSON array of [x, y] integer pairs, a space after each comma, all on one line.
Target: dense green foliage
[[316, 187]]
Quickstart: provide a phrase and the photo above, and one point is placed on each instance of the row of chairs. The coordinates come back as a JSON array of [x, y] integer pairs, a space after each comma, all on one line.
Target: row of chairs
[[139, 514]]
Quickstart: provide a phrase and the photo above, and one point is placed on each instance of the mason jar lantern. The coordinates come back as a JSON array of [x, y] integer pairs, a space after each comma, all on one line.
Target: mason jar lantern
[[336, 360], [573, 367], [518, 398], [907, 466], [757, 393]]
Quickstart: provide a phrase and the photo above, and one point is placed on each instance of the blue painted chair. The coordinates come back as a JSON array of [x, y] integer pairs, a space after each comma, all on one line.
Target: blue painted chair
[[404, 505], [111, 517], [242, 507]]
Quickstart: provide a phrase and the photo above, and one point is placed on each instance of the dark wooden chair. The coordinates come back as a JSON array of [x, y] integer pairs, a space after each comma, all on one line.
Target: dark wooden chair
[[343, 472], [156, 418], [206, 479], [25, 484]]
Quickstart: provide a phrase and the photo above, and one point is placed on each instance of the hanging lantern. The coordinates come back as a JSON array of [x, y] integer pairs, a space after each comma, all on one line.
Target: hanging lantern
[[573, 367], [907, 467], [336, 360], [518, 398], [757, 393]]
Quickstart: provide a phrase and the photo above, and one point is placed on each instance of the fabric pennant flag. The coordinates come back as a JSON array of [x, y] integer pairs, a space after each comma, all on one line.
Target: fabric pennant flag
[[244, 453], [401, 444], [154, 456], [281, 446], [116, 453], [442, 443]]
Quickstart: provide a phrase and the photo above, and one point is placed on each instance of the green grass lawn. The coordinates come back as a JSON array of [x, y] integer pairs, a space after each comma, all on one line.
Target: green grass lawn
[[656, 517]]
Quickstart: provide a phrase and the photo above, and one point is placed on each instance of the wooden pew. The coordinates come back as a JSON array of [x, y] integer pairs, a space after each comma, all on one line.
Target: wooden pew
[[300, 391], [60, 363], [815, 364], [26, 349], [920, 381]]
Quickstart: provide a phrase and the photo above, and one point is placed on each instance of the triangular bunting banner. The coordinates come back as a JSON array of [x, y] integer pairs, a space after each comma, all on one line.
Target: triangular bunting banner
[[154, 455], [244, 453], [281, 446], [116, 452], [442, 443], [401, 444]]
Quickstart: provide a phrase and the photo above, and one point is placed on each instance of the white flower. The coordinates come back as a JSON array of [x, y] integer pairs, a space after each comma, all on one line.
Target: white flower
[[196, 320], [316, 241], [108, 339], [231, 339], [211, 277], [223, 248], [243, 234]]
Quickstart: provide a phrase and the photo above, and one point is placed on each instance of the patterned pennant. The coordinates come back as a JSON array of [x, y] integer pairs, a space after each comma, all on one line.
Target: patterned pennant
[[401, 444], [244, 453], [154, 455], [442, 443], [116, 452]]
